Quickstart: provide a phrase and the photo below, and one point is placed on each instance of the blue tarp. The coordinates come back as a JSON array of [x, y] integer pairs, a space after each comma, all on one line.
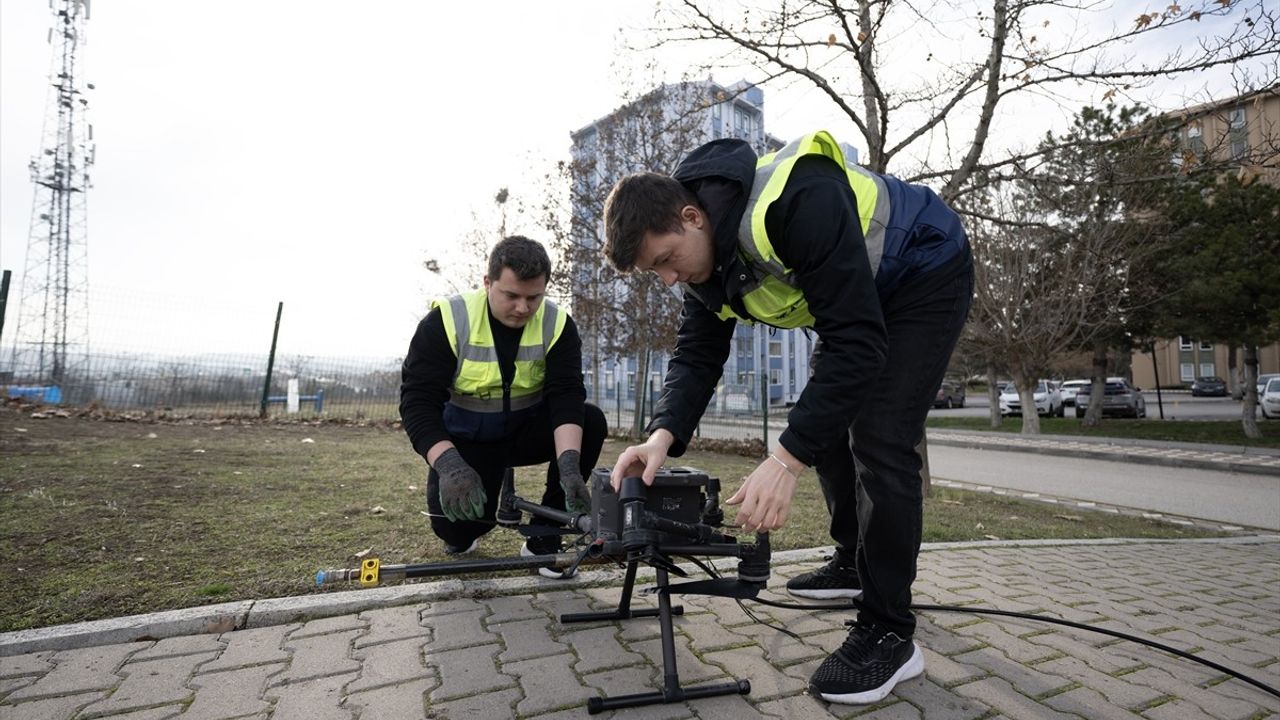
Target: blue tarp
[[48, 394]]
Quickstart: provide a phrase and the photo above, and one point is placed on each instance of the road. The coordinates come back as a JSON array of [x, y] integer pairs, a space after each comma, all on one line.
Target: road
[[1239, 499]]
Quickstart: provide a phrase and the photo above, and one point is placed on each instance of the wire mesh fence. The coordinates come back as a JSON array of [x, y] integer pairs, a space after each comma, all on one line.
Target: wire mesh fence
[[141, 361]]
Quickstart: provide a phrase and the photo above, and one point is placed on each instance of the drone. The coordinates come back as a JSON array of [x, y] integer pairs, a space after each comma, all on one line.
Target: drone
[[677, 516]]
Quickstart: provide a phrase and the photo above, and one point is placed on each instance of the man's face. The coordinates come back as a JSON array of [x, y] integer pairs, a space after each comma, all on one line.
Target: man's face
[[686, 256], [512, 300]]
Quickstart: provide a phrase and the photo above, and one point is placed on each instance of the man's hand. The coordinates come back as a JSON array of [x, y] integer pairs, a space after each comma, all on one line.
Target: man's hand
[[643, 459], [577, 499], [462, 494], [765, 496]]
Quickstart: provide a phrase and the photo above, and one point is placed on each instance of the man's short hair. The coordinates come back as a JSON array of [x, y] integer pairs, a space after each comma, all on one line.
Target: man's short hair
[[641, 203], [526, 258]]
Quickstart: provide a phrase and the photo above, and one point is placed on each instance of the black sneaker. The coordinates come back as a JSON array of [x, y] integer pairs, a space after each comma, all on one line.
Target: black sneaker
[[866, 667], [832, 580], [531, 547]]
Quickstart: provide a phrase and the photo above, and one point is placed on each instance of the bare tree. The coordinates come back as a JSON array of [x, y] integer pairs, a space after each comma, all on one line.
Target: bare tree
[[621, 314], [927, 79], [463, 269]]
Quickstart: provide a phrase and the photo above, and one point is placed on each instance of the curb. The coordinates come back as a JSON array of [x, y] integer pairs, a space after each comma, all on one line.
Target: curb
[[226, 617], [1122, 456]]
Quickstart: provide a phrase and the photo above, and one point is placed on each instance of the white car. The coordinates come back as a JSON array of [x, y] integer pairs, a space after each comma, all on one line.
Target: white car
[[1263, 379], [1270, 399], [1069, 390], [1119, 398], [1047, 398]]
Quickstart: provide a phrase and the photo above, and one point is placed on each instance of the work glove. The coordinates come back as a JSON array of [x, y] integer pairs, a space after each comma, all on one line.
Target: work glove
[[461, 492], [577, 499]]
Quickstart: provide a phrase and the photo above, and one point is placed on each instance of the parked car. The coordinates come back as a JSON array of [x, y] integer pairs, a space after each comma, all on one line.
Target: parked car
[[1119, 398], [1270, 399], [1069, 388], [1209, 386], [1047, 398], [1263, 379], [950, 395]]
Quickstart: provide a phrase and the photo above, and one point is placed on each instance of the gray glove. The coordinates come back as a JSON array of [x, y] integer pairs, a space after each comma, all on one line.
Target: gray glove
[[461, 492], [577, 499]]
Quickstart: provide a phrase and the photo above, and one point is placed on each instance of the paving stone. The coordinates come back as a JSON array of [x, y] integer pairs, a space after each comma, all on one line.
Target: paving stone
[[999, 694], [526, 639], [1007, 641], [392, 624], [36, 663], [317, 656], [780, 649], [54, 708], [692, 670], [599, 649], [942, 640], [947, 672], [8, 685], [160, 713], [767, 681], [389, 664], [480, 706], [81, 670], [406, 701], [893, 710], [1089, 703], [181, 645], [327, 626], [150, 683], [1029, 681], [1110, 660], [1229, 655], [467, 671], [1177, 710], [706, 633], [795, 707], [459, 630], [231, 693], [315, 699], [514, 607], [936, 702], [1116, 690], [255, 646], [449, 607], [549, 683], [554, 603]]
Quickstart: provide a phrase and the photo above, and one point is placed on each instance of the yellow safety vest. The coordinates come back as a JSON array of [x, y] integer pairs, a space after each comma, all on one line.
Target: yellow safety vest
[[771, 295], [477, 380]]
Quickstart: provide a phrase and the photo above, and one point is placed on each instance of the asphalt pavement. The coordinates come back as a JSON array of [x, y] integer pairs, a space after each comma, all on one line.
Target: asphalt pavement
[[496, 648]]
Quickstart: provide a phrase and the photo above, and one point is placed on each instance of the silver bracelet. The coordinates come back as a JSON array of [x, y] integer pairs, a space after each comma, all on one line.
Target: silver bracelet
[[786, 467]]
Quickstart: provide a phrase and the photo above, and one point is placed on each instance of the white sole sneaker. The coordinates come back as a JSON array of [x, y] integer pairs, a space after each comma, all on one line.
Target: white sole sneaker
[[475, 544], [912, 667], [843, 593], [546, 572]]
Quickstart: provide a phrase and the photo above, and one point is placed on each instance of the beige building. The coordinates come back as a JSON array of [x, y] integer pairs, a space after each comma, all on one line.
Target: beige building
[[1245, 132], [1182, 360]]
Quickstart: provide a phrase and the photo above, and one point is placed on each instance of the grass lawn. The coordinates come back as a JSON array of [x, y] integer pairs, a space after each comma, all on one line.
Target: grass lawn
[[102, 519], [1217, 432]]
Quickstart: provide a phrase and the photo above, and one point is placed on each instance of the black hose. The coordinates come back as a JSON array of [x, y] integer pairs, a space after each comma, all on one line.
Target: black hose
[[853, 604]]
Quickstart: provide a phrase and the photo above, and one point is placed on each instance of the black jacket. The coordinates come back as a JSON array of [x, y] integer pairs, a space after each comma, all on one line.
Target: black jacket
[[815, 231], [428, 370]]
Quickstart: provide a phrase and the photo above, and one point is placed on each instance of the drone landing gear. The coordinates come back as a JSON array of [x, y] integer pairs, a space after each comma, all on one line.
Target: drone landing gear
[[671, 691]]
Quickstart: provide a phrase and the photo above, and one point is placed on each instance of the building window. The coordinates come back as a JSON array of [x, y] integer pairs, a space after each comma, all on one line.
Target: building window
[[741, 124], [1206, 370], [1206, 345], [1184, 342], [775, 348], [775, 377], [1188, 371]]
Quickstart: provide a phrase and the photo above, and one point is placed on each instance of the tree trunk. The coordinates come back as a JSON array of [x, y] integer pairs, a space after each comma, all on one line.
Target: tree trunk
[[993, 395], [1027, 394], [1249, 408], [1234, 385], [642, 393], [1098, 391]]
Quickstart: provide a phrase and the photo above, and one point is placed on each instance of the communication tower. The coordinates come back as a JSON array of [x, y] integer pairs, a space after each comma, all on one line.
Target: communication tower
[[51, 341]]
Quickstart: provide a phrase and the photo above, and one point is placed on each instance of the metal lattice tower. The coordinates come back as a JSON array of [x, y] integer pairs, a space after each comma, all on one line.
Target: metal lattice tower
[[51, 342]]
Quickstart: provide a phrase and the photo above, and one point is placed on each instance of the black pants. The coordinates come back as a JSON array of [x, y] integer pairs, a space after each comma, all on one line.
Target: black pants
[[531, 443], [874, 491]]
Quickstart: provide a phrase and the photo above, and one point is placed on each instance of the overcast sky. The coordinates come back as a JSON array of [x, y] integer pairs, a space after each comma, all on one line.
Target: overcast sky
[[310, 152]]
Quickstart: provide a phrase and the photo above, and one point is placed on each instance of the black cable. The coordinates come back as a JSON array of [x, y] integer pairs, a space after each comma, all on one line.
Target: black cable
[[710, 570], [853, 604]]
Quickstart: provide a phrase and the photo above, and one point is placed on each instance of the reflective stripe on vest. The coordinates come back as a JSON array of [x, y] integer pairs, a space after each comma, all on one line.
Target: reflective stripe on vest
[[771, 295], [477, 378]]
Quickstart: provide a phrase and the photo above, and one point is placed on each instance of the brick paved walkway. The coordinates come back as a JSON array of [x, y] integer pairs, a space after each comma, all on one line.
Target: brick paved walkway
[[503, 656]]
